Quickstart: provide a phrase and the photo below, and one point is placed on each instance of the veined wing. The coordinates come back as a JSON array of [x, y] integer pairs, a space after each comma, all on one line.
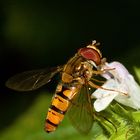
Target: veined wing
[[81, 111], [31, 80]]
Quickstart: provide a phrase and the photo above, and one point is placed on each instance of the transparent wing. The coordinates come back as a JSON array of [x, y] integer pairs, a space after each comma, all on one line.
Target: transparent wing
[[81, 111], [31, 80]]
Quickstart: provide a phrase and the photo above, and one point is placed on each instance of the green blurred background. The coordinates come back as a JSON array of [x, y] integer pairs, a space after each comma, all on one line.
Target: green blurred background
[[37, 34]]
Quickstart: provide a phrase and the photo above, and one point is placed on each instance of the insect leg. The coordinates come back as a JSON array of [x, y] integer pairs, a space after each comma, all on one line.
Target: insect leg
[[99, 81], [102, 71], [96, 86]]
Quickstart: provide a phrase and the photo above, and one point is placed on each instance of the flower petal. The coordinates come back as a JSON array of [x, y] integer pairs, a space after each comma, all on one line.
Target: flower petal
[[104, 97], [121, 80]]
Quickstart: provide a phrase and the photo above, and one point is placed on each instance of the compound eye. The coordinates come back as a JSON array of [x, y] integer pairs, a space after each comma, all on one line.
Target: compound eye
[[90, 54]]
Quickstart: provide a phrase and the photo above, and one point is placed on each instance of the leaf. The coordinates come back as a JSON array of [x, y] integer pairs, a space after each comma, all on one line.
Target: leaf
[[137, 72], [119, 122]]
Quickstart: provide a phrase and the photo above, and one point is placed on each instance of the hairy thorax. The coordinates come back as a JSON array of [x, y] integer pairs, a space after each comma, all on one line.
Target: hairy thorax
[[77, 69]]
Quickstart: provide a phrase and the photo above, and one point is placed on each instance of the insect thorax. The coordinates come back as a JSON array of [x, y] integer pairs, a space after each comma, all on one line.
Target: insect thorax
[[77, 69]]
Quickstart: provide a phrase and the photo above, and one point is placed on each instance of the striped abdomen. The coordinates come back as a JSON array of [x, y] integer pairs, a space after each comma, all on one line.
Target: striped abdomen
[[59, 106]]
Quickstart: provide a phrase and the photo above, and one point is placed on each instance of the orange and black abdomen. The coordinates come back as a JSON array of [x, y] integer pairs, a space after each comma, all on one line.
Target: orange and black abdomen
[[59, 106]]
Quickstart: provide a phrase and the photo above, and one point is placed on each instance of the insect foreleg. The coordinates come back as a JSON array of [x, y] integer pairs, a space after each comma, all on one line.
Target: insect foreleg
[[96, 86]]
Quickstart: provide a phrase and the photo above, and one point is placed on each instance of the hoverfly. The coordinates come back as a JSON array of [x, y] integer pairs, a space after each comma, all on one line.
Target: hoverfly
[[73, 92]]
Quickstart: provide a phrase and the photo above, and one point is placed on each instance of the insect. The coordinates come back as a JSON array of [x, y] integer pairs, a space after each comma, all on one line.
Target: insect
[[73, 92]]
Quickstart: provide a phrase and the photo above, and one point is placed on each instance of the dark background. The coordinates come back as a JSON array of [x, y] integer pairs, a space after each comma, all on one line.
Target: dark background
[[37, 34]]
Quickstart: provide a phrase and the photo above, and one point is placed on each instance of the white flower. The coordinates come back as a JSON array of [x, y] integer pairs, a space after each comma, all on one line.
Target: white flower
[[126, 90]]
